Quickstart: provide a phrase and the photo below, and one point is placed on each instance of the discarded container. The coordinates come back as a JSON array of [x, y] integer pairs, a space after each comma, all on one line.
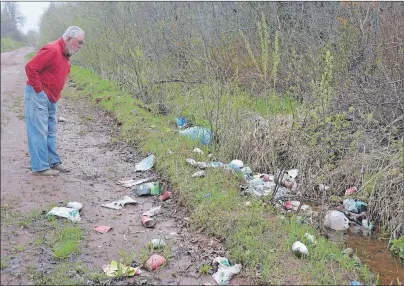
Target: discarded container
[[225, 271], [117, 205], [180, 122], [310, 238], [152, 188], [75, 205], [348, 252], [198, 133], [111, 270], [69, 213], [198, 174], [355, 283], [165, 196], [154, 262], [350, 191], [153, 211], [336, 220], [197, 150], [102, 228], [146, 164], [157, 243], [300, 249], [148, 222]]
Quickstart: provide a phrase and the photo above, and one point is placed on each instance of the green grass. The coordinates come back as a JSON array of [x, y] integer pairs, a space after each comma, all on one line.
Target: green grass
[[66, 241], [4, 262], [252, 234], [8, 44], [27, 220]]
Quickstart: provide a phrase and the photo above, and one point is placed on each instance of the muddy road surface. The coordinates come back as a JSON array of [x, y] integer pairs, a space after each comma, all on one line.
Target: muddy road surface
[[87, 145]]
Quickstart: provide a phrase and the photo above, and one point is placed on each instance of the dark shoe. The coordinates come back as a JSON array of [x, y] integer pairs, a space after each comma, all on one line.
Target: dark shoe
[[47, 172], [59, 168]]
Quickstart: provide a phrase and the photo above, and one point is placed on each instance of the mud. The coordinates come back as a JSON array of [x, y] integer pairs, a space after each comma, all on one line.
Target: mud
[[86, 145]]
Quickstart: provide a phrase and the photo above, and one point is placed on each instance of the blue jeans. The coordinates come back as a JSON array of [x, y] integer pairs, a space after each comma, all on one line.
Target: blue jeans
[[40, 118]]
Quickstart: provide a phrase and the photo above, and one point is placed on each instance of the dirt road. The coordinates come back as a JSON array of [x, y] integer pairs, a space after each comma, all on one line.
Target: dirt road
[[86, 145]]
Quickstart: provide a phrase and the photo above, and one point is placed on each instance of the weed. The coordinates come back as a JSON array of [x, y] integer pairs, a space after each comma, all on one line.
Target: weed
[[4, 261], [28, 219], [205, 269], [66, 241]]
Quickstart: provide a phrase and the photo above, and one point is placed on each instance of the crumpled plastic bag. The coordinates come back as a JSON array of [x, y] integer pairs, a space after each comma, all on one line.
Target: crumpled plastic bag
[[336, 220], [111, 269], [225, 271], [117, 205], [69, 213], [146, 164], [198, 133]]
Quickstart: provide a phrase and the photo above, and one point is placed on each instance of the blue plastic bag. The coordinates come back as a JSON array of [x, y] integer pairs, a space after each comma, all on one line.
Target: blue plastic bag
[[198, 133], [180, 121]]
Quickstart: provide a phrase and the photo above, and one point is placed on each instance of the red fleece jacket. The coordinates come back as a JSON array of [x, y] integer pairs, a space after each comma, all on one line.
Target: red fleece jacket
[[48, 69]]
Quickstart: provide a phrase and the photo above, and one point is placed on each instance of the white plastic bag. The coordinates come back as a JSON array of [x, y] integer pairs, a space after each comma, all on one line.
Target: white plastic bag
[[69, 213], [225, 271]]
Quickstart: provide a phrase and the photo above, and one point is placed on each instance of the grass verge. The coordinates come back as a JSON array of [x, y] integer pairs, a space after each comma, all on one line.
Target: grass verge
[[253, 234]]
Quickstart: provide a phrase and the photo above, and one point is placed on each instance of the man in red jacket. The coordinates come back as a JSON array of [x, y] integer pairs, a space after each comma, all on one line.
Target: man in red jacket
[[47, 72]]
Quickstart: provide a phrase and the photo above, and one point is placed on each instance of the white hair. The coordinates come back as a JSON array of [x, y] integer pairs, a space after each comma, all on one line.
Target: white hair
[[72, 31]]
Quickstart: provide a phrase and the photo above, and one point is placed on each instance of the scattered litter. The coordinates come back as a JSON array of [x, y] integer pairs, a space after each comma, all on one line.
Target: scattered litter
[[207, 195], [153, 211], [350, 205], [361, 206], [146, 164], [248, 204], [157, 243], [198, 133], [173, 233], [116, 268], [197, 150], [293, 173], [61, 119], [236, 164], [336, 220], [75, 205], [152, 188], [69, 213], [165, 196], [225, 271], [131, 183], [287, 205], [148, 222], [310, 238], [102, 228], [117, 205], [355, 283], [210, 155], [198, 174], [350, 191], [154, 262], [181, 122], [348, 252], [300, 249]]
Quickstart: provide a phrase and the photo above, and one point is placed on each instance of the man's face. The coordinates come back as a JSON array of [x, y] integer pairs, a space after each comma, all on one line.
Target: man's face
[[74, 44]]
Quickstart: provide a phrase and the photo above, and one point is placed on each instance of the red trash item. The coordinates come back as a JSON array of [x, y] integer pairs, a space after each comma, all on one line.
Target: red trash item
[[350, 191], [287, 205], [102, 228], [148, 222], [154, 262], [165, 196], [340, 208], [266, 178]]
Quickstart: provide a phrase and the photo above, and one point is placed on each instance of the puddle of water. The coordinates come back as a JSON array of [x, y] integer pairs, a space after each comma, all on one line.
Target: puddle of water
[[373, 252]]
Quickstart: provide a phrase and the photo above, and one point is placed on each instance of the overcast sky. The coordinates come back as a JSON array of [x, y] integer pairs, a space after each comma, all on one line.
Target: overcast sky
[[32, 11]]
